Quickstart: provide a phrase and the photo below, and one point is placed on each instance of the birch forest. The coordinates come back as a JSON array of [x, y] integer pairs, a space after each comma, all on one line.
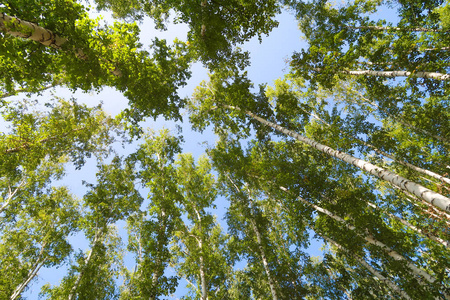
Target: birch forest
[[330, 182]]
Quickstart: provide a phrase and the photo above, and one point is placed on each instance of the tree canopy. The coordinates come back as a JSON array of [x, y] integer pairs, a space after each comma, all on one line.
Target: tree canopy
[[350, 149]]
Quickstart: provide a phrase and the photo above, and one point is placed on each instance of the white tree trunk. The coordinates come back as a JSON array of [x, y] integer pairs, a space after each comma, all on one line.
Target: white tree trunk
[[428, 195], [202, 274], [204, 285], [381, 152], [27, 30], [391, 74], [437, 213], [264, 260], [371, 240], [11, 195], [377, 274], [73, 291], [260, 247], [412, 227], [383, 28], [33, 272]]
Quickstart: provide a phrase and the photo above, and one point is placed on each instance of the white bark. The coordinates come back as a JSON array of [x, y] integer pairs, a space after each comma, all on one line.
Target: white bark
[[261, 249], [437, 49], [377, 274], [371, 240], [391, 74], [264, 260], [33, 272], [439, 214], [11, 195], [383, 28], [202, 273], [401, 121], [412, 227], [203, 28], [381, 152], [73, 291], [157, 273], [31, 275], [428, 213], [27, 30], [428, 195], [202, 263]]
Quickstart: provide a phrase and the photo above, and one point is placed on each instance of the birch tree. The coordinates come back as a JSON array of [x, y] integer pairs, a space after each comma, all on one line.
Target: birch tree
[[215, 27], [152, 231], [37, 217], [113, 198], [426, 194], [387, 50], [80, 53], [325, 184], [37, 239], [199, 244]]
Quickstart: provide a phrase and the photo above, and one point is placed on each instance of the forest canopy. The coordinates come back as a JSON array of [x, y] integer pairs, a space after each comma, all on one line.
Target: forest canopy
[[349, 148]]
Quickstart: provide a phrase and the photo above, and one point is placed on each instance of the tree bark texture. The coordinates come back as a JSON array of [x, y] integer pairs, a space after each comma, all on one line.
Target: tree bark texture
[[371, 240], [377, 274], [424, 193], [392, 74], [27, 30]]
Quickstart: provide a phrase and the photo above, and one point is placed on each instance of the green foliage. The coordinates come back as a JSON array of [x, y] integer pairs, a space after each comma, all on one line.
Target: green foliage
[[279, 195], [215, 27]]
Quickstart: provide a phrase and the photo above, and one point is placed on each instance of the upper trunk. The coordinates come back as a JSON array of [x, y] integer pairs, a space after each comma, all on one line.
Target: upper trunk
[[371, 240], [27, 30], [358, 140], [377, 274], [428, 195], [384, 28], [419, 74]]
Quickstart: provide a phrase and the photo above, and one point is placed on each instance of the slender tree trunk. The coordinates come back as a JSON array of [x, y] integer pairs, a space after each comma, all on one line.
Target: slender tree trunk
[[11, 195], [203, 281], [25, 90], [428, 195], [437, 49], [384, 28], [33, 272], [401, 121], [371, 240], [260, 247], [28, 30], [202, 273], [377, 274], [412, 227], [264, 260], [391, 74], [73, 291], [263, 254], [203, 29], [429, 214], [381, 152], [158, 272], [441, 215], [26, 146]]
